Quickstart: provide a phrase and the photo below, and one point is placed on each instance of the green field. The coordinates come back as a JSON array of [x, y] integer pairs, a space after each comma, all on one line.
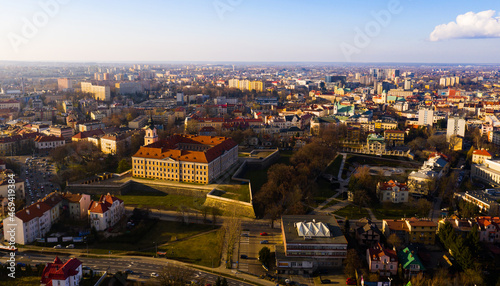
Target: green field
[[158, 232], [202, 250], [334, 167], [393, 211], [352, 212], [324, 191], [239, 192], [162, 201]]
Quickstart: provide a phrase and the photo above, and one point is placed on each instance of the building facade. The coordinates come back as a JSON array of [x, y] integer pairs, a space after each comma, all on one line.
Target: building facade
[[106, 212], [185, 158]]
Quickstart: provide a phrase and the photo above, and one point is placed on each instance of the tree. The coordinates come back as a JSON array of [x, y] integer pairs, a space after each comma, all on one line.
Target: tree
[[265, 256], [394, 240], [218, 281], [175, 275], [224, 282], [423, 207], [352, 262], [123, 166]]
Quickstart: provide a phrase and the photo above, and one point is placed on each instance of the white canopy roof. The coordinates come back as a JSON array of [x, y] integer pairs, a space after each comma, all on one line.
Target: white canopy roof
[[312, 229]]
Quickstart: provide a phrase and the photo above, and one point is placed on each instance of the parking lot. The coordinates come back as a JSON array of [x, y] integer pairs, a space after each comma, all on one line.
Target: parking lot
[[37, 172]]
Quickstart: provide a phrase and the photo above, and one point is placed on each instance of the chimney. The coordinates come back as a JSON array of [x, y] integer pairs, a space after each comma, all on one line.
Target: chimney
[[27, 211]]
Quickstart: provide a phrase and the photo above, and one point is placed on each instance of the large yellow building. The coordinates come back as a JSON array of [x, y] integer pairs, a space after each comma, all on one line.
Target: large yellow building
[[246, 84], [185, 158], [102, 93]]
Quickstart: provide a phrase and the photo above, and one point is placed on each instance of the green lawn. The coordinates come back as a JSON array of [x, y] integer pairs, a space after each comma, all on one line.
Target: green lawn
[[160, 232], [352, 212], [331, 203], [21, 281], [393, 211], [202, 250], [159, 200], [334, 167], [324, 190], [240, 192]]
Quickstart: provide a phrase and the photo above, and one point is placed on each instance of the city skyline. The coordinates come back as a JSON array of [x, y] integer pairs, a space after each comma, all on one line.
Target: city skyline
[[251, 31]]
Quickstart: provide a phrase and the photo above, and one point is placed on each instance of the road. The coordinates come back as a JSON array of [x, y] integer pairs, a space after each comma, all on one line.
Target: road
[[141, 266]]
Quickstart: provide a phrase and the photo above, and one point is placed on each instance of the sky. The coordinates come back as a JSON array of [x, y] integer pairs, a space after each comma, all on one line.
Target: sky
[[395, 31]]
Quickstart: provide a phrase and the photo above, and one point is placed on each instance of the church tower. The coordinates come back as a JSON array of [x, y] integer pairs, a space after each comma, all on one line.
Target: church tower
[[151, 134]]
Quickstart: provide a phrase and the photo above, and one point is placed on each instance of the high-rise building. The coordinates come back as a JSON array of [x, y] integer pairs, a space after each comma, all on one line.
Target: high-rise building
[[64, 83], [100, 92], [407, 84], [456, 127], [426, 116]]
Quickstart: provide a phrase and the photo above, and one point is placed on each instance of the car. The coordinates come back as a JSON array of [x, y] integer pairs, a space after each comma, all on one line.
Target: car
[[243, 256], [70, 246], [264, 242], [128, 271], [58, 246], [326, 281], [244, 234], [350, 281], [154, 274], [263, 233], [20, 264]]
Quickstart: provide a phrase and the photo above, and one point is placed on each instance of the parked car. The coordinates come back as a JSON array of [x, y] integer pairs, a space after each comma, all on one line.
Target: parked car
[[244, 234], [350, 281], [154, 274], [263, 233], [243, 256], [264, 242], [128, 271], [70, 246], [58, 246]]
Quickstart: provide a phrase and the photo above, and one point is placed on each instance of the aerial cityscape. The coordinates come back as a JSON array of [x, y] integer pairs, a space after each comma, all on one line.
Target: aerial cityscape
[[234, 142]]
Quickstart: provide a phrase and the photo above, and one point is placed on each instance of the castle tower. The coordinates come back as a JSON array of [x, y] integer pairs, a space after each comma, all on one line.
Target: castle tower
[[151, 134]]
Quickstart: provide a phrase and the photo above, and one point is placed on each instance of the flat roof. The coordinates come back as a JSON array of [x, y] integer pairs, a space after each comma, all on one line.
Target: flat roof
[[291, 235]]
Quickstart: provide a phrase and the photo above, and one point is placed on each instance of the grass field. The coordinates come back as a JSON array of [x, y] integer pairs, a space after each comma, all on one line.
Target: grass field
[[161, 232], [393, 211], [352, 212], [163, 201], [240, 192], [324, 190], [202, 250], [334, 167]]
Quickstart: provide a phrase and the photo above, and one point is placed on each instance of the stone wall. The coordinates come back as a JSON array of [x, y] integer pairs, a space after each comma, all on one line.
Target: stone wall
[[231, 207]]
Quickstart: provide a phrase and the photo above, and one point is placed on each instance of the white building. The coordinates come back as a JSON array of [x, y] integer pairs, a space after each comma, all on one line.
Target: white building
[[28, 224], [456, 127], [392, 191], [426, 116], [59, 274], [106, 212], [102, 93], [49, 142]]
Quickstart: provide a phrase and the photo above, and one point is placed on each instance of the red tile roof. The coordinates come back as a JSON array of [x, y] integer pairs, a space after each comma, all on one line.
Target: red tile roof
[[481, 152], [104, 204], [59, 271], [33, 211]]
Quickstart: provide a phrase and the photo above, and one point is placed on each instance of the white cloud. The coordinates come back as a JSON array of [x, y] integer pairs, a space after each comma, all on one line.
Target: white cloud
[[469, 25]]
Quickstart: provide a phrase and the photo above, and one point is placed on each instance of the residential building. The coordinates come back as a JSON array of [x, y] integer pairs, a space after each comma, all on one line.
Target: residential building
[[489, 171], [129, 87], [139, 122], [4, 185], [487, 204], [84, 135], [382, 260], [426, 117], [375, 144], [367, 233], [186, 158], [67, 106], [106, 212], [410, 262], [411, 230], [77, 205], [115, 142], [394, 137], [10, 103], [456, 127], [64, 84], [478, 156], [489, 228], [89, 126], [62, 131], [392, 191], [62, 274], [419, 182], [49, 142], [100, 92], [310, 243], [29, 223], [54, 201]]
